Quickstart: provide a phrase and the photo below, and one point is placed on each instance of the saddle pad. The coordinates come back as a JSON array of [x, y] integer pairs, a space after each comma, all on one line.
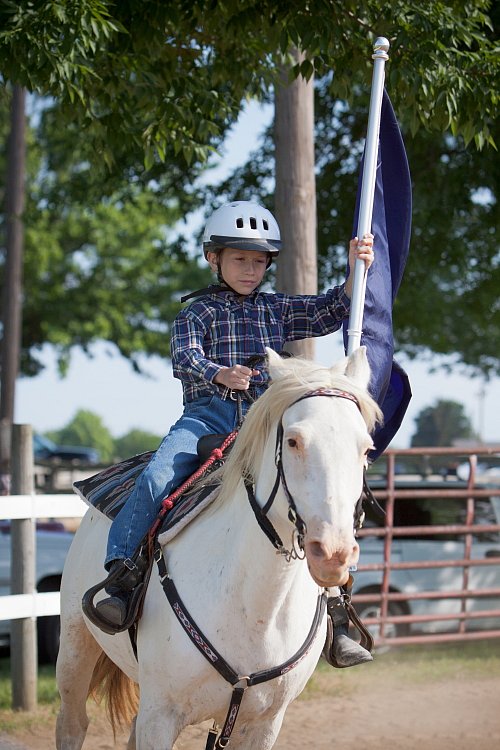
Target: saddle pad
[[108, 490]]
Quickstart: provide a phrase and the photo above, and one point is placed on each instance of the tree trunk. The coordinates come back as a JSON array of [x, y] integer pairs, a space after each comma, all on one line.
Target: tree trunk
[[12, 285], [296, 192]]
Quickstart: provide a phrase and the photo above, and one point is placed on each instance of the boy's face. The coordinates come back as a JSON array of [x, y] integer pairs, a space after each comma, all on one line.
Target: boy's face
[[242, 270]]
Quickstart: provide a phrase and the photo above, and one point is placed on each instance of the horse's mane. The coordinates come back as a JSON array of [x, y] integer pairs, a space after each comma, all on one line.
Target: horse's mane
[[301, 377]]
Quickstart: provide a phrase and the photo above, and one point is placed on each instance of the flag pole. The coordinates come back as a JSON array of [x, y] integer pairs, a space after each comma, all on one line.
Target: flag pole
[[380, 49]]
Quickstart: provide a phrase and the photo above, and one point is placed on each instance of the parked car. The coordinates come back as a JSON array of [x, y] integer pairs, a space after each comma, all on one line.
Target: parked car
[[46, 450], [421, 511], [51, 550]]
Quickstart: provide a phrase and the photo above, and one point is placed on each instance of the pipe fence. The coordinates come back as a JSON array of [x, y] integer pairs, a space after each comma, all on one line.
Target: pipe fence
[[26, 605], [480, 470]]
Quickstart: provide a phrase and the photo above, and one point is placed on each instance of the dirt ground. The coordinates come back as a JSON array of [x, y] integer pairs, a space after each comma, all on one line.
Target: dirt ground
[[385, 709]]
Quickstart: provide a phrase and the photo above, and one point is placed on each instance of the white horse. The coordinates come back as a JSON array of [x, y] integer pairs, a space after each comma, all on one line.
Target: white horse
[[254, 606]]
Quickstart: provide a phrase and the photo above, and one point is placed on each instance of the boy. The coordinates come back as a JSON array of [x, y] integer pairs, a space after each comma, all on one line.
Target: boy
[[210, 339]]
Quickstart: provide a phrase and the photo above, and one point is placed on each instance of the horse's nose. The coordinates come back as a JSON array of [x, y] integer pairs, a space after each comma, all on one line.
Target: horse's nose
[[341, 555]]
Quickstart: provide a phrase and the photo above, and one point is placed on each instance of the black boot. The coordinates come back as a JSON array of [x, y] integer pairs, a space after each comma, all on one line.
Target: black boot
[[344, 652], [341, 651], [122, 582], [125, 585]]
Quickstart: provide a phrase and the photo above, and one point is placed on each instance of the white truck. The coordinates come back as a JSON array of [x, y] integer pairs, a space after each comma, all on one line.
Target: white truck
[[52, 545]]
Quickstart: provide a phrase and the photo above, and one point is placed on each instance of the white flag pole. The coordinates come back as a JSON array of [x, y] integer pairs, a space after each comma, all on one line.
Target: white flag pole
[[380, 49]]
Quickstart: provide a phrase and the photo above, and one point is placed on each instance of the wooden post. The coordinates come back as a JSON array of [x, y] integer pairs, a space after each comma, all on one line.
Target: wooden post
[[23, 639]]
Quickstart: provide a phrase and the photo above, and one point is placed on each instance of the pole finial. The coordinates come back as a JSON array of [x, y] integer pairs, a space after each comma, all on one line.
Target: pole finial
[[381, 48]]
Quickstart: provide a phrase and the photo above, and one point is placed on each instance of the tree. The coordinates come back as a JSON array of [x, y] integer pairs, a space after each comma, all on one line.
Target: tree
[[14, 207], [448, 301], [102, 260], [164, 80], [86, 428], [135, 441], [168, 76], [296, 190], [13, 266], [442, 425]]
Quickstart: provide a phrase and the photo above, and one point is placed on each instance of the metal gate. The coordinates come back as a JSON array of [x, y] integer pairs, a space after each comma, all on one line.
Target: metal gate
[[464, 621]]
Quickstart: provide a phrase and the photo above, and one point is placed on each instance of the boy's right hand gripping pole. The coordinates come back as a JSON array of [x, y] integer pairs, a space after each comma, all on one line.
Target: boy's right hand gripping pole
[[380, 49]]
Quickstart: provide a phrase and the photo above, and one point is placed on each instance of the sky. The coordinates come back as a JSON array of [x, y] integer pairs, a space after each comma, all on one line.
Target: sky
[[107, 385]]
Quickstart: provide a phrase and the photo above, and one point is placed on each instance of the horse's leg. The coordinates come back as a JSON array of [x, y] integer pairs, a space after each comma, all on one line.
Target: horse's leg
[[261, 734], [78, 654], [157, 727]]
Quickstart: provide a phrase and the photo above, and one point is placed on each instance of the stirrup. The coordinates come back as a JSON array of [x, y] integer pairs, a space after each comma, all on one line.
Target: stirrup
[[134, 605], [339, 613]]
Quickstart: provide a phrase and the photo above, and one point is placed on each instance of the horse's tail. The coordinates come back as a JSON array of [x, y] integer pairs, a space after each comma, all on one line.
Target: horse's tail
[[120, 693]]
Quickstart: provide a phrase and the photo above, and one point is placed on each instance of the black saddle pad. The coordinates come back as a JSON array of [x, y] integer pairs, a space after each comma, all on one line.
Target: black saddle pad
[[109, 489]]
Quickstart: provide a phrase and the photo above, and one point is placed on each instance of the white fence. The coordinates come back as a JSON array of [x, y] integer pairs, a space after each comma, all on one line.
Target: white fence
[[15, 507]]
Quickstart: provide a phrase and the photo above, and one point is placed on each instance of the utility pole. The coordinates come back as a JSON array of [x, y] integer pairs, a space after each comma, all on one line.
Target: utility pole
[[12, 285], [296, 191]]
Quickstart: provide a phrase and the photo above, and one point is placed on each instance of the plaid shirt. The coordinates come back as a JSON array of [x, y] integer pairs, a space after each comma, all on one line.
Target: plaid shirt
[[223, 330]]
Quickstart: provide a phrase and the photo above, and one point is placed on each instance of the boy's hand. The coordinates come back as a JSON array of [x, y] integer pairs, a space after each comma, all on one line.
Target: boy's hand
[[236, 378], [362, 250]]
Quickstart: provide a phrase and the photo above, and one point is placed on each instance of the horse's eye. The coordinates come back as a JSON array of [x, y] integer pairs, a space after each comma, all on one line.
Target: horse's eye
[[292, 443]]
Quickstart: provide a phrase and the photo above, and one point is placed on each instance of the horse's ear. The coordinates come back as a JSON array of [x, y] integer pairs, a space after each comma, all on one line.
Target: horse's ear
[[276, 365], [358, 368], [339, 367]]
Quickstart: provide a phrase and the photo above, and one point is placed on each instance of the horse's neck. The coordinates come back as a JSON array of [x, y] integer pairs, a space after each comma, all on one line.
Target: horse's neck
[[237, 562], [264, 576]]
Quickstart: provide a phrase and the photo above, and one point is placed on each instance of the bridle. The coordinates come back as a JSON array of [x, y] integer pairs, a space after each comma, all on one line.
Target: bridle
[[219, 739], [261, 512]]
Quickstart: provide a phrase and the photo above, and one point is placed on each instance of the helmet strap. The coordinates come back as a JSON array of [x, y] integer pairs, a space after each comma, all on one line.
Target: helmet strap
[[220, 277]]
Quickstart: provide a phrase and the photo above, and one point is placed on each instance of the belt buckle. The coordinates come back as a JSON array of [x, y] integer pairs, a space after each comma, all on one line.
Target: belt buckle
[[233, 394]]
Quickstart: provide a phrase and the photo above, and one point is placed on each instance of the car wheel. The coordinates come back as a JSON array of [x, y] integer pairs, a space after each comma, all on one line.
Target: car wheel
[[49, 632], [49, 628], [391, 629]]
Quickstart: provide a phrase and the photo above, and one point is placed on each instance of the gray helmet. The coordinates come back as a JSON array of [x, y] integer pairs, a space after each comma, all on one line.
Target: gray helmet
[[242, 225]]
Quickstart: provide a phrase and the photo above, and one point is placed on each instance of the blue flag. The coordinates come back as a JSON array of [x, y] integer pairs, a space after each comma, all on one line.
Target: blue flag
[[391, 227]]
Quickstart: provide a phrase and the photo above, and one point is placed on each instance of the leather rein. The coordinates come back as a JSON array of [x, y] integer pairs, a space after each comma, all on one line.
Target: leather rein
[[216, 740]]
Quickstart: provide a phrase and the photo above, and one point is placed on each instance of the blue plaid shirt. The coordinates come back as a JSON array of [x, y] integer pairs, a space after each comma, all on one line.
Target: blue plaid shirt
[[223, 330]]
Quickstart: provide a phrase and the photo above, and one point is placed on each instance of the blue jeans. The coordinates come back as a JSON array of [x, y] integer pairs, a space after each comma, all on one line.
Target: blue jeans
[[174, 461]]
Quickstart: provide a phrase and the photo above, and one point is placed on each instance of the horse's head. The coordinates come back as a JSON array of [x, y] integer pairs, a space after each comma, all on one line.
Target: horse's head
[[305, 442], [324, 444]]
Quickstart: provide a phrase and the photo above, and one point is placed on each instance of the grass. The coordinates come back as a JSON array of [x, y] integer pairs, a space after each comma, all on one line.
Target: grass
[[48, 699], [47, 691], [408, 665]]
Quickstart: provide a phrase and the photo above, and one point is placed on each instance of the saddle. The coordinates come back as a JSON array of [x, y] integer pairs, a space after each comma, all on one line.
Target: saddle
[[188, 504]]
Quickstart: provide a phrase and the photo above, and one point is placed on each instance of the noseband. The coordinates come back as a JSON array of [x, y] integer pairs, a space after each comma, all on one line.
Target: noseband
[[299, 532]]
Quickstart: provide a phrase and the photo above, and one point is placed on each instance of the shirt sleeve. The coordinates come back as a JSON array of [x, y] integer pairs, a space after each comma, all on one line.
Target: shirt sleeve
[[186, 347], [306, 316]]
